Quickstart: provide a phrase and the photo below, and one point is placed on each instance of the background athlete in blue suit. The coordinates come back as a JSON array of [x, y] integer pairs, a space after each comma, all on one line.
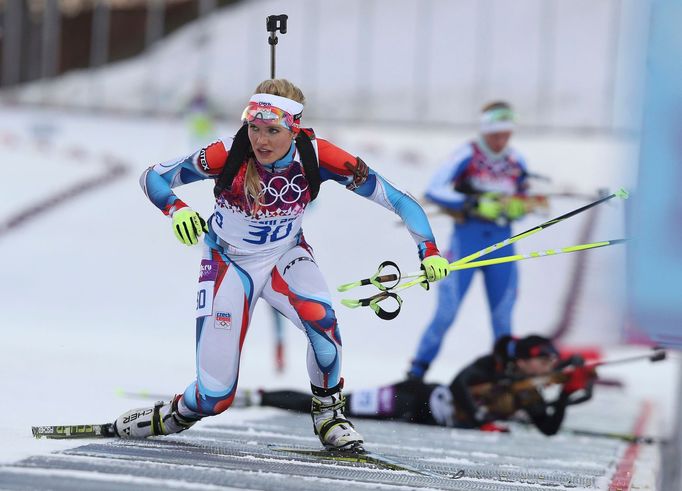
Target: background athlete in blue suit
[[483, 186]]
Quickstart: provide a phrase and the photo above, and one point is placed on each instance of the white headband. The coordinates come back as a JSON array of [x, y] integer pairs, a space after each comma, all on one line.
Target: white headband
[[496, 126], [292, 107], [497, 120]]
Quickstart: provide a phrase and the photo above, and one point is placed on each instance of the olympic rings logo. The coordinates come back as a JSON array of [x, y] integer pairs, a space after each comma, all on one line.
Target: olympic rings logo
[[269, 194]]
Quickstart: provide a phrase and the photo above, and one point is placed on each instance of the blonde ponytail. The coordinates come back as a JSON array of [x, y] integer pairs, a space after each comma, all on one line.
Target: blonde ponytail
[[252, 186]]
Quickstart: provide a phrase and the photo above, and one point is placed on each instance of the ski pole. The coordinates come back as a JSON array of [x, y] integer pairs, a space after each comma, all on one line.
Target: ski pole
[[474, 264], [621, 193], [389, 292], [274, 23], [516, 257], [537, 177], [143, 394], [626, 437], [600, 193], [279, 340]]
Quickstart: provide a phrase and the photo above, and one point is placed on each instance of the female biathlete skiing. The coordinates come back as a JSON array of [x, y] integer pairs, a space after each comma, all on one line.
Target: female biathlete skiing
[[254, 247], [483, 186]]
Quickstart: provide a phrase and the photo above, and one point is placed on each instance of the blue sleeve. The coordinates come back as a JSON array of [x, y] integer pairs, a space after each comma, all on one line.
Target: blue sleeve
[[441, 189], [159, 180]]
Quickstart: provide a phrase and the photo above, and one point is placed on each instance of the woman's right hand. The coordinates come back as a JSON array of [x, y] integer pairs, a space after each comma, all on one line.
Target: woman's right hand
[[435, 267], [188, 226], [489, 206]]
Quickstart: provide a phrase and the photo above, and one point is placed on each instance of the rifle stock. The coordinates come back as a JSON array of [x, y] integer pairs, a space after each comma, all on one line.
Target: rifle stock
[[505, 396]]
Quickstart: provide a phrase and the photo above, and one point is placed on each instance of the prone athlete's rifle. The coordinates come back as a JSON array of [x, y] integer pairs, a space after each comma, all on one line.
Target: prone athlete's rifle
[[500, 397]]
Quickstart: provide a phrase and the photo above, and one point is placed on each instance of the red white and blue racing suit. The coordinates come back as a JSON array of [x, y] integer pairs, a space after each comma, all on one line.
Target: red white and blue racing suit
[[248, 256], [471, 170]]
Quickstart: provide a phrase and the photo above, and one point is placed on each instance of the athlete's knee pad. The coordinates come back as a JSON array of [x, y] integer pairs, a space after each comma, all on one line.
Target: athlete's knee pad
[[319, 320], [320, 315], [205, 404], [325, 349]]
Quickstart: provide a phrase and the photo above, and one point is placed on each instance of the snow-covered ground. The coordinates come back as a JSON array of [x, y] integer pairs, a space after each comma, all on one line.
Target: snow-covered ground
[[97, 294]]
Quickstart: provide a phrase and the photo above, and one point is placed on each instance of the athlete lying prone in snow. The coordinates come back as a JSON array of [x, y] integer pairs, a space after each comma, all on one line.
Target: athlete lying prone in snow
[[493, 388]]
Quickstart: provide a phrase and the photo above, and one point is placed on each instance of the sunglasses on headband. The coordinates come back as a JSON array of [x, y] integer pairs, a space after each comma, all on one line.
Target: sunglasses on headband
[[263, 112]]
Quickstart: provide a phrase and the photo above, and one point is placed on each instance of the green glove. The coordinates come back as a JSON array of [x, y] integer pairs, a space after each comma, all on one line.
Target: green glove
[[435, 267], [188, 226], [489, 206], [515, 208]]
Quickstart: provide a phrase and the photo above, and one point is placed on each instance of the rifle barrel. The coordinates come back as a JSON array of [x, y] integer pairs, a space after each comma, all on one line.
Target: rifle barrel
[[657, 355]]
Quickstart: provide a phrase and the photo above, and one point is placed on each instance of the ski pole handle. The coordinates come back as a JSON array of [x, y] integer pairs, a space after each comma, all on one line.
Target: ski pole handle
[[377, 279], [373, 303], [274, 23]]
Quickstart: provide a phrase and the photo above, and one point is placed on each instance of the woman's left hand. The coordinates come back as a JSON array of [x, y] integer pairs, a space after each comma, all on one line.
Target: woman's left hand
[[188, 226], [435, 267]]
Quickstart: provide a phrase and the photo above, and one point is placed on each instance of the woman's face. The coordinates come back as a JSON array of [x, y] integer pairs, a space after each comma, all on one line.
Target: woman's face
[[270, 141], [540, 365], [497, 141]]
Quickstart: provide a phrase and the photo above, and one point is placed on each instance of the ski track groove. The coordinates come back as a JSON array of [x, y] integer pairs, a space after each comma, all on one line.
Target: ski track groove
[[223, 456]]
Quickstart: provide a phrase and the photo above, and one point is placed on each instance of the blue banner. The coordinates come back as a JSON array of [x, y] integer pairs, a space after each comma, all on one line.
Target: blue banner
[[655, 260]]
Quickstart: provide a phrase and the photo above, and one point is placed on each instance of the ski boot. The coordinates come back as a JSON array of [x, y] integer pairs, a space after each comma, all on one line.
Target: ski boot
[[330, 424], [162, 419], [246, 398]]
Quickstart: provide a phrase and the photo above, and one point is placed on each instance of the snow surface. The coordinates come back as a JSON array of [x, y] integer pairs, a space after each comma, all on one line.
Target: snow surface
[[98, 296]]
